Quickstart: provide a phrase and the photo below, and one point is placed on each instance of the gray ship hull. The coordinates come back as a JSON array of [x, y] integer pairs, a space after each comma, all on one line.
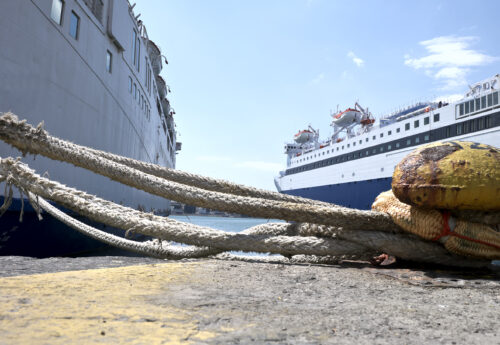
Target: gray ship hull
[[47, 75]]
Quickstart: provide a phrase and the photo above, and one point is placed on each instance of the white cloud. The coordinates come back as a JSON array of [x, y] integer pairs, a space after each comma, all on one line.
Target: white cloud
[[318, 78], [260, 165], [359, 62], [449, 59]]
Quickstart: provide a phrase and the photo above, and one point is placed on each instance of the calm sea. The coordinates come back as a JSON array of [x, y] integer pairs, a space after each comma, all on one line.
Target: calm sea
[[224, 223]]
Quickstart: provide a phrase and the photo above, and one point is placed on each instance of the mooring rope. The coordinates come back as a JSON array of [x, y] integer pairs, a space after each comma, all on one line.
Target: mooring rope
[[324, 232], [37, 141]]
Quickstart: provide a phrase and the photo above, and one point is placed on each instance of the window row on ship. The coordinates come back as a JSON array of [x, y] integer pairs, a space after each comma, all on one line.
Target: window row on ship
[[407, 127], [462, 110], [445, 132], [57, 14]]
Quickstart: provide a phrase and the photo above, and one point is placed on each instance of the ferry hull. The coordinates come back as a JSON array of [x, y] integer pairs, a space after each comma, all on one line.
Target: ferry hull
[[49, 237], [358, 194], [87, 88]]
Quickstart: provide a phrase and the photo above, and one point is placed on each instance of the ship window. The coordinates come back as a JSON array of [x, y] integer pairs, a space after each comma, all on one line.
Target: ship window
[[74, 25], [397, 145], [129, 85], [398, 130], [472, 125], [459, 128], [495, 98], [57, 11], [408, 142], [389, 132], [462, 111], [348, 145], [381, 149], [337, 148], [360, 142], [478, 104], [381, 135], [466, 127], [490, 100], [367, 152], [426, 137], [109, 61], [483, 102], [417, 140], [416, 123], [342, 147], [407, 126], [135, 91], [374, 137], [138, 46], [471, 106], [448, 132], [487, 122], [134, 49], [436, 117], [374, 151], [389, 147], [95, 7], [426, 120], [354, 144], [366, 139], [466, 107]]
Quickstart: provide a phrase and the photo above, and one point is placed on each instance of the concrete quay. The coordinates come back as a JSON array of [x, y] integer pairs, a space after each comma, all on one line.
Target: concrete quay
[[124, 300]]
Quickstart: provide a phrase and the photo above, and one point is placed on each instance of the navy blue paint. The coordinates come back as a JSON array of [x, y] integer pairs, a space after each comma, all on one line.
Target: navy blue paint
[[358, 195], [48, 237]]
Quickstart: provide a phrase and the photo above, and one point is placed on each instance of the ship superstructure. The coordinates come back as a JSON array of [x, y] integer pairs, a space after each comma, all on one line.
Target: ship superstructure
[[356, 163], [91, 73]]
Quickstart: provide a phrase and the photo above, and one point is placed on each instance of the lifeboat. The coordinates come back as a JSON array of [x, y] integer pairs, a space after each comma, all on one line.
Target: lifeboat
[[166, 106], [367, 121], [303, 136], [162, 87], [155, 57], [346, 117]]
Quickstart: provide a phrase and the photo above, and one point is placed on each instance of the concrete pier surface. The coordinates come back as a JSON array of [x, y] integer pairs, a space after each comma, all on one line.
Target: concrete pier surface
[[123, 300]]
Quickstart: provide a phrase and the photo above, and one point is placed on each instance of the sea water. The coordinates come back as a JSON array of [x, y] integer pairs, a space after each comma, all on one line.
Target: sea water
[[231, 224]]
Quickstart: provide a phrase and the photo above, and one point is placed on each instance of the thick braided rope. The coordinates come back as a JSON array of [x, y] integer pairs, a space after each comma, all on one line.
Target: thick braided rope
[[146, 248], [466, 238], [29, 139], [344, 244], [427, 224], [165, 250], [402, 245], [167, 229], [407, 247], [168, 173]]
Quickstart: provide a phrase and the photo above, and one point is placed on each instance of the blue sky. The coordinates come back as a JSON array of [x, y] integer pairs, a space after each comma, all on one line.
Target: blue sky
[[247, 75]]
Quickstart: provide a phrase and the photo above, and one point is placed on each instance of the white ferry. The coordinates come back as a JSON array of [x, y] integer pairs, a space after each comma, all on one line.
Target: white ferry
[[356, 163], [91, 73]]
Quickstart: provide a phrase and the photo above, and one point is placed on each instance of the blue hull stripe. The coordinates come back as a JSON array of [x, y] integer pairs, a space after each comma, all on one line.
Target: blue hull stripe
[[358, 195]]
